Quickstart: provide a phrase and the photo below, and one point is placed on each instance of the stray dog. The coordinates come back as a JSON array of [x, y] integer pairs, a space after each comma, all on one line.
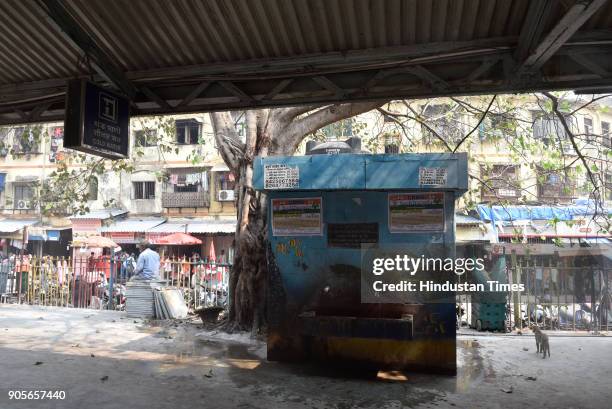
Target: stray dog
[[542, 344]]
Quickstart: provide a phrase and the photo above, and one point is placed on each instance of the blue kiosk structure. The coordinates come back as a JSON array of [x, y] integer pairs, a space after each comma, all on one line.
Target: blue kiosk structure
[[322, 211]]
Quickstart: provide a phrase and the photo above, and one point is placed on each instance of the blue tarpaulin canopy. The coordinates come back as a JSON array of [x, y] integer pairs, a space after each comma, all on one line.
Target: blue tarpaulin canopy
[[513, 213]]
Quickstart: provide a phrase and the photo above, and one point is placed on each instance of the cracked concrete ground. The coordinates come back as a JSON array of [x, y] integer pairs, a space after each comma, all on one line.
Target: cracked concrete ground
[[104, 360]]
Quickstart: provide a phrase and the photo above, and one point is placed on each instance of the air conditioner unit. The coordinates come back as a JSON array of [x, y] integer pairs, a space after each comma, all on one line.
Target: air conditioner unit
[[24, 204], [226, 196]]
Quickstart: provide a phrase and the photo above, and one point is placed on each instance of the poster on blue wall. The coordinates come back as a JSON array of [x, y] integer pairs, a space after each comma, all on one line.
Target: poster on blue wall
[[416, 212], [297, 217]]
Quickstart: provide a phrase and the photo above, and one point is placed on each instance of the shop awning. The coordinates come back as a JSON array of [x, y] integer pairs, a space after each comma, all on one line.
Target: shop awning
[[212, 226], [45, 233], [2, 181], [178, 239], [169, 228], [222, 167], [203, 225], [100, 214], [463, 220], [12, 225], [132, 226]]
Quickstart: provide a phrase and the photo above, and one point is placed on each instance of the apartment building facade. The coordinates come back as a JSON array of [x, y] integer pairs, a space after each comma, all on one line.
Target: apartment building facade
[[178, 184]]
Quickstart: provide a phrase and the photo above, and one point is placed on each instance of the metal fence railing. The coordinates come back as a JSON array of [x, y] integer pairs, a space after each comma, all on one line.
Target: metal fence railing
[[89, 281], [205, 284], [555, 297], [561, 297]]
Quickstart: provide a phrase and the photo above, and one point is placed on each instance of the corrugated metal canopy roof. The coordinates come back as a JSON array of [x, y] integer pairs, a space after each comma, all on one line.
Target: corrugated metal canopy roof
[[132, 226], [188, 55], [199, 225], [100, 214], [212, 226], [463, 220], [12, 225], [169, 228]]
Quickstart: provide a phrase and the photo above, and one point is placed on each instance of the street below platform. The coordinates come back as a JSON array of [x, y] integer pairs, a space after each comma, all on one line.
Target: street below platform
[[104, 359]]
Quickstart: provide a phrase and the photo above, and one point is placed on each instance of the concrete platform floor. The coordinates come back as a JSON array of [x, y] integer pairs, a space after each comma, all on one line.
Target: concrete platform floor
[[103, 360]]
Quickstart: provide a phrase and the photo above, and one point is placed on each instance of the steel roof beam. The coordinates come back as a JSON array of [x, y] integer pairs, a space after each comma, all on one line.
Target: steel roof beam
[[538, 15], [54, 11], [575, 17], [590, 65]]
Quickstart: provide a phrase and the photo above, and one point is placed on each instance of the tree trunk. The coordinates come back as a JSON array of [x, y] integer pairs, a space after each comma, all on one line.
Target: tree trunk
[[269, 132]]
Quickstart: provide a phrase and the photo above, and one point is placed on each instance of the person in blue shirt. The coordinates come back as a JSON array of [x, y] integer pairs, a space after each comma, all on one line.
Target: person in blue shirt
[[147, 266]]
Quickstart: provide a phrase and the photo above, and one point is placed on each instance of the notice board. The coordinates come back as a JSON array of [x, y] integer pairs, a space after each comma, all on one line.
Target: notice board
[[416, 212], [297, 217]]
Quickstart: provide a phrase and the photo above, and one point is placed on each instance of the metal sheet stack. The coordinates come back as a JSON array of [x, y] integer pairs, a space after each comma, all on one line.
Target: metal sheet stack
[[169, 303], [139, 298]]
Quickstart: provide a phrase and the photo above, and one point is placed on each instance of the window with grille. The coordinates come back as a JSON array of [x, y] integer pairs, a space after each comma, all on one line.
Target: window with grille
[[588, 129], [495, 126], [188, 131], [23, 192], [555, 185], [441, 121], [144, 190], [605, 134], [549, 129], [225, 181], [92, 193], [502, 182]]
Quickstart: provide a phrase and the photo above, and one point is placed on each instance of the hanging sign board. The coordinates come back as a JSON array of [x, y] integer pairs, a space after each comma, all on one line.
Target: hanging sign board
[[97, 120], [416, 212], [296, 217]]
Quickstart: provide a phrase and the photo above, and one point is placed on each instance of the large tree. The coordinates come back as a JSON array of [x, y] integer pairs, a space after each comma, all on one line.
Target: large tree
[[438, 125], [268, 132]]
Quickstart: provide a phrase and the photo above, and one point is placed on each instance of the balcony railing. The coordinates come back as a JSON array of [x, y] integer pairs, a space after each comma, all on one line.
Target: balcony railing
[[185, 199], [556, 193]]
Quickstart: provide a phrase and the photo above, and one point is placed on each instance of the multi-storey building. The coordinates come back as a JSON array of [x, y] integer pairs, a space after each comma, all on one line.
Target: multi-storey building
[[518, 155], [178, 184]]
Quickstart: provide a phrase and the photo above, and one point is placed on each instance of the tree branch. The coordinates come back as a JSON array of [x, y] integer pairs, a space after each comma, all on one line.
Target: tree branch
[[484, 114], [296, 130], [283, 114], [230, 146], [555, 108], [417, 118]]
